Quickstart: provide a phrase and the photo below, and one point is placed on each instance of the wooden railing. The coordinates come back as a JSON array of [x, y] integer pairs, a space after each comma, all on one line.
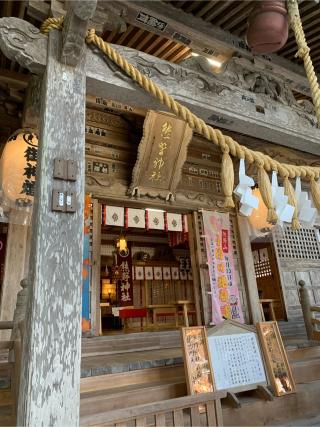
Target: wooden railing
[[309, 313], [198, 410], [315, 321], [14, 345]]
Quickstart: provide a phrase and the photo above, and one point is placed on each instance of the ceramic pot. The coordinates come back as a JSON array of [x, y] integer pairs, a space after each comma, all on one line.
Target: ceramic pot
[[267, 26]]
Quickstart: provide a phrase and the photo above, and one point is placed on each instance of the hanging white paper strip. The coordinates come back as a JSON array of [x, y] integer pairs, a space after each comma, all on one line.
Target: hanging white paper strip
[[307, 214], [139, 273], [157, 272], [156, 220], [115, 216], [248, 201], [183, 275], [175, 273], [136, 218], [148, 271], [174, 222], [284, 210], [166, 273]]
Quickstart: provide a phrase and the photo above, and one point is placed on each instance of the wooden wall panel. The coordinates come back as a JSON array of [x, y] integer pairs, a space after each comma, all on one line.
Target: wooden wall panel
[[299, 261]]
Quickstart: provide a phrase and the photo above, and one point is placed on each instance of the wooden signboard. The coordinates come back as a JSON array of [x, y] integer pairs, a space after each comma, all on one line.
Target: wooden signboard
[[236, 358], [161, 155], [276, 359], [197, 361]]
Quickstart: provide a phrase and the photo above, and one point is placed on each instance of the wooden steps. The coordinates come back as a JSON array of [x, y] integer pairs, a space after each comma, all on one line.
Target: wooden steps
[[132, 361], [305, 364], [143, 376], [116, 391], [257, 412], [126, 343]]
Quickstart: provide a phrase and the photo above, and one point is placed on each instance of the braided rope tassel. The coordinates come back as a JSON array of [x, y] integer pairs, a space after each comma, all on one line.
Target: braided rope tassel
[[304, 53], [292, 200]]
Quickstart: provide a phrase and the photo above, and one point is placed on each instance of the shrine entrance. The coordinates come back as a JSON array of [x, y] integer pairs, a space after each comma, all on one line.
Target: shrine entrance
[[145, 276], [268, 281]]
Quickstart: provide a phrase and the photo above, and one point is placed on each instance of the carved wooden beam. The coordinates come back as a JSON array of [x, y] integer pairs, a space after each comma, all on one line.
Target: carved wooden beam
[[243, 100], [203, 37], [74, 29]]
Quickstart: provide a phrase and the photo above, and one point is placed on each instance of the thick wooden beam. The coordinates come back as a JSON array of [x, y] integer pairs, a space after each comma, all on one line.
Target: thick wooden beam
[[203, 37], [243, 99], [200, 36], [251, 282], [50, 380], [75, 26]]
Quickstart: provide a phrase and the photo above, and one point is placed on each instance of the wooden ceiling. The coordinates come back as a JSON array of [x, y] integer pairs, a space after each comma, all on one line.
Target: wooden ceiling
[[232, 16]]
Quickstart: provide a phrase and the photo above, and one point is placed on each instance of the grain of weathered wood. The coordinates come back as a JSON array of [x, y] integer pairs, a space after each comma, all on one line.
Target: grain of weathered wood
[[195, 416], [178, 418], [160, 420], [13, 272], [49, 393], [195, 267], [74, 29], [247, 259], [211, 414], [141, 422]]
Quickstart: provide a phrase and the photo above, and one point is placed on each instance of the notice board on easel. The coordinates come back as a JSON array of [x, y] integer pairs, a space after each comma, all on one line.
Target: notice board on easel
[[197, 360], [277, 363], [235, 355]]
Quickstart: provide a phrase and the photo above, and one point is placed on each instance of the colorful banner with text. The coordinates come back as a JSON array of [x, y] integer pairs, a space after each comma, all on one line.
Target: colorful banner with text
[[223, 278]]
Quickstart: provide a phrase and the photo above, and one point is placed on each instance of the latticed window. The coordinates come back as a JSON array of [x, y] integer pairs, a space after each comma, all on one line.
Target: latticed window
[[298, 244], [262, 267]]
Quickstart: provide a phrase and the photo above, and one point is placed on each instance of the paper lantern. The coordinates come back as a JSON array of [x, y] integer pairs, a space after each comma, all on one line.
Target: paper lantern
[[258, 218], [267, 30], [18, 168], [122, 246]]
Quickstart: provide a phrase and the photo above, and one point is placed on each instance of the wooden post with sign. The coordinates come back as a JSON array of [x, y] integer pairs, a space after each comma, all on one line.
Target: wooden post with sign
[[50, 380]]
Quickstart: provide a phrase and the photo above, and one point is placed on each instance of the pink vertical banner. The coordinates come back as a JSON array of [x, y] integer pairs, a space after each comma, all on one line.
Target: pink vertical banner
[[223, 279]]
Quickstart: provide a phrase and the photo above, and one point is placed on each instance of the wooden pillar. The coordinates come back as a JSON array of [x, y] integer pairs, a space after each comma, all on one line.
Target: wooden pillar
[[50, 380], [247, 258], [305, 306], [197, 272], [14, 271], [96, 266]]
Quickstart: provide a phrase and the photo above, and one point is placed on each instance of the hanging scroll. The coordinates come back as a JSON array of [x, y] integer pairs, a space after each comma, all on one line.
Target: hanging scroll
[[161, 155], [276, 359], [86, 266], [125, 282], [197, 360], [223, 279]]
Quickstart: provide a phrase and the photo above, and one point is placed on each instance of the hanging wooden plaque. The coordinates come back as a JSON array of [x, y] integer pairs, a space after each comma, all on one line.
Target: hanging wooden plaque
[[161, 155], [197, 360], [276, 359]]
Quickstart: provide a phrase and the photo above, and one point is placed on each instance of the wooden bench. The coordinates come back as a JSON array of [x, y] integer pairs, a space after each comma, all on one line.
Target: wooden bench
[[199, 410]]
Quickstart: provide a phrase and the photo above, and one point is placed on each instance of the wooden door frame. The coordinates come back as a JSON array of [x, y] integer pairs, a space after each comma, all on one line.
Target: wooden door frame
[[274, 265], [96, 268]]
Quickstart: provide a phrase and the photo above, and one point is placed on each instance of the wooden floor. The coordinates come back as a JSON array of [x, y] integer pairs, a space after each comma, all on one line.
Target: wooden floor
[[129, 369]]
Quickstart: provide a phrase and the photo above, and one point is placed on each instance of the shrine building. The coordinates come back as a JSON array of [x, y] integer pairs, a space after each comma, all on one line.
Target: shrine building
[[159, 213]]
